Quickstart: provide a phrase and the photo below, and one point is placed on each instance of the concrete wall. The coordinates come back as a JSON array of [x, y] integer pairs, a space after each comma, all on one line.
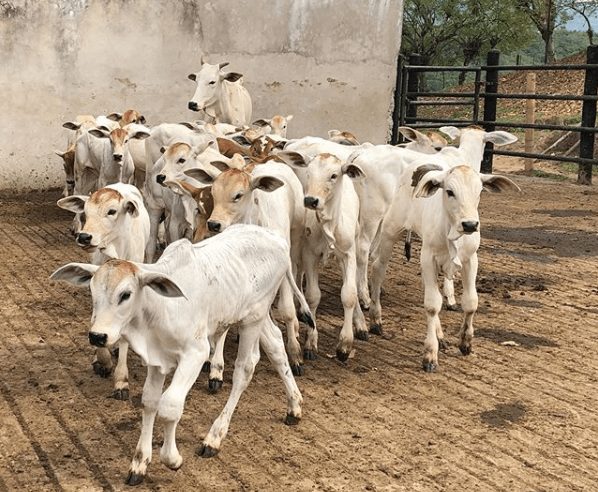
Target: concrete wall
[[331, 63]]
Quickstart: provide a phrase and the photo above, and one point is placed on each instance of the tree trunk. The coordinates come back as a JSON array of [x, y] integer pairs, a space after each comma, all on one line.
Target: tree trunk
[[549, 55]]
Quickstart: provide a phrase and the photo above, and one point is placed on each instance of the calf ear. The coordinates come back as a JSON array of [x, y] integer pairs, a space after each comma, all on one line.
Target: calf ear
[[61, 154], [293, 159], [161, 284], [184, 187], [452, 131], [140, 135], [496, 184], [261, 122], [131, 208], [101, 132], [353, 171], [220, 165], [199, 175], [413, 135], [231, 76], [200, 148], [115, 116], [71, 125], [427, 180], [266, 183], [77, 274], [192, 77], [500, 138], [142, 120], [189, 125], [289, 117], [237, 162], [73, 203], [222, 65]]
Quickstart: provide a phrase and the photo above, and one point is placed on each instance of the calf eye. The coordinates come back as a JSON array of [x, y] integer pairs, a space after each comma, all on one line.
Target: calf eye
[[181, 160], [124, 296], [450, 193], [334, 176], [212, 82], [111, 211], [237, 197]]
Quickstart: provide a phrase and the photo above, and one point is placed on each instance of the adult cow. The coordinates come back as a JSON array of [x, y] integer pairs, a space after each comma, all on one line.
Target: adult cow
[[221, 95]]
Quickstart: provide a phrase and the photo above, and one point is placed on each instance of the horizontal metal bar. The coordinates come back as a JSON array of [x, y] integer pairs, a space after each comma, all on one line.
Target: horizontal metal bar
[[565, 128], [539, 67], [440, 94], [577, 160], [442, 103], [547, 97], [422, 119], [438, 125], [432, 68]]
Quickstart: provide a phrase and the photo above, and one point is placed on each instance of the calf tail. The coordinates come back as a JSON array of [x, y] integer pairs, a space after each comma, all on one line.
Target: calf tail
[[408, 245], [303, 313]]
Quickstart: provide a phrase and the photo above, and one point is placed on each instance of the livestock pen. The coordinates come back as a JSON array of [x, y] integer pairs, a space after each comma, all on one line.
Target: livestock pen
[[518, 414]]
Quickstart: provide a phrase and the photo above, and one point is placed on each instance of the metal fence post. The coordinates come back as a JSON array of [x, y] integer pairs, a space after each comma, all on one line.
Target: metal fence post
[[412, 86], [491, 87], [588, 118], [396, 112]]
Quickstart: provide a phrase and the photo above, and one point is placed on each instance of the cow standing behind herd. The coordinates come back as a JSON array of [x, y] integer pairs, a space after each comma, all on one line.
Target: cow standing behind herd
[[276, 210]]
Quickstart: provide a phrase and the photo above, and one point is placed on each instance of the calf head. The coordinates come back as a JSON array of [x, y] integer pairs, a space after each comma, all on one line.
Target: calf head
[[209, 80], [344, 138], [278, 124], [116, 287], [68, 162], [105, 215], [232, 192], [324, 176], [462, 187], [498, 138], [427, 143], [129, 116], [177, 158], [118, 139]]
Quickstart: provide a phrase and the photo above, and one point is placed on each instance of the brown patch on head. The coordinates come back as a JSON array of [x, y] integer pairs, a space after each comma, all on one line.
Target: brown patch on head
[[175, 147], [130, 116], [105, 194], [118, 135], [437, 139], [112, 273]]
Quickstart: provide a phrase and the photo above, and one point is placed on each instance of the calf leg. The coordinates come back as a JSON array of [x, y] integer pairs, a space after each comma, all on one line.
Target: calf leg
[[217, 365], [152, 389], [448, 288], [364, 243], [121, 372], [247, 358], [286, 310], [312, 296], [102, 362], [469, 302], [150, 249], [273, 345], [349, 300], [432, 305], [173, 400]]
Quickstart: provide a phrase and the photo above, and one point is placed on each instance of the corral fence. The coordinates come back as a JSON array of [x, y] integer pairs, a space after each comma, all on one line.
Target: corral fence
[[409, 97]]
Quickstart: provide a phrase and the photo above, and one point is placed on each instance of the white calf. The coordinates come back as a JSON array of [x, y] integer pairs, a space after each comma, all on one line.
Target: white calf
[[171, 310], [426, 143], [116, 226]]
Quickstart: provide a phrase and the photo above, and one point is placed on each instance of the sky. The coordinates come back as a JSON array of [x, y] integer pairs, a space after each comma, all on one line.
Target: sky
[[579, 24]]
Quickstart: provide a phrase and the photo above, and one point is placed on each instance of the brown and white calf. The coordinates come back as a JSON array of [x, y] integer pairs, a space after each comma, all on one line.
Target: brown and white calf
[[116, 226], [129, 116]]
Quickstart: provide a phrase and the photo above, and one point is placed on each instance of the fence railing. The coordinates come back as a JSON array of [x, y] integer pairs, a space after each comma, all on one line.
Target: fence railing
[[408, 98]]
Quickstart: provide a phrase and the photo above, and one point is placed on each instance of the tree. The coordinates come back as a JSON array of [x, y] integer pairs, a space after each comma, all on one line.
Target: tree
[[585, 8]]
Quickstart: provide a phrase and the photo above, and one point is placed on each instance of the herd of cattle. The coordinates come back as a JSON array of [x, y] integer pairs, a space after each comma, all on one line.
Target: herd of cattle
[[275, 209]]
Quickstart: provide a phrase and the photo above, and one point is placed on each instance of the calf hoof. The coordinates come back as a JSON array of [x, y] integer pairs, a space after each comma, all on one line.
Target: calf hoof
[[214, 385], [342, 356], [121, 394], [297, 369], [291, 419], [443, 344], [206, 366], [309, 354], [134, 478], [100, 370], [429, 366], [362, 335], [465, 348], [453, 307], [376, 329], [206, 451]]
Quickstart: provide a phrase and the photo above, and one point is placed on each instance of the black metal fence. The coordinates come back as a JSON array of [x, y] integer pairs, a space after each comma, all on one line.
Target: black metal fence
[[408, 98]]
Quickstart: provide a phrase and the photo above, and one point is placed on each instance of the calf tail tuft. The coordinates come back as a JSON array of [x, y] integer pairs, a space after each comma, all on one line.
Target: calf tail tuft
[[408, 245], [303, 313]]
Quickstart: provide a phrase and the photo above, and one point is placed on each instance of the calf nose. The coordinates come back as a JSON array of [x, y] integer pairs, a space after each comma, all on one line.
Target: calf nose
[[470, 226], [118, 157], [98, 339], [160, 178], [84, 239], [310, 202], [193, 106], [214, 226]]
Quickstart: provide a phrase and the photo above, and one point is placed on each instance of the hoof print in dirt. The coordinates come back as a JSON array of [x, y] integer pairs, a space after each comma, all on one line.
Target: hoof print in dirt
[[429, 366], [309, 355], [100, 370], [214, 385], [297, 369], [342, 356], [443, 344], [376, 329], [206, 451], [362, 335], [121, 394], [134, 478], [291, 419], [465, 349]]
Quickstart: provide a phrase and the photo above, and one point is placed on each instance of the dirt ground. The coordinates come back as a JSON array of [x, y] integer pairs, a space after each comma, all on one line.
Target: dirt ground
[[518, 414]]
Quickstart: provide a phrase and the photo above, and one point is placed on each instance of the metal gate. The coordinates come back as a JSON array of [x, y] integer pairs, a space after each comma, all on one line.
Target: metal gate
[[408, 98]]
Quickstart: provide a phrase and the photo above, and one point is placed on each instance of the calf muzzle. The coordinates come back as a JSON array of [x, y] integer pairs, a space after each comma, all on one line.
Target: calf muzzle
[[193, 106], [214, 226], [160, 178], [117, 157], [84, 239], [470, 226], [98, 339], [310, 202]]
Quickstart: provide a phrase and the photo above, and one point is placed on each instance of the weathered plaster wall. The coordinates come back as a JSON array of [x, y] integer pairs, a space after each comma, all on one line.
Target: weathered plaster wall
[[331, 63]]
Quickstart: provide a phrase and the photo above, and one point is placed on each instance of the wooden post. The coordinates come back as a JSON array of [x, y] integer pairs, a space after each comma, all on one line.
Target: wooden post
[[530, 118]]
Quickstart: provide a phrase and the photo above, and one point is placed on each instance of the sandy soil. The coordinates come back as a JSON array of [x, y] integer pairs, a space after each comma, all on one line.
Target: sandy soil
[[514, 416]]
